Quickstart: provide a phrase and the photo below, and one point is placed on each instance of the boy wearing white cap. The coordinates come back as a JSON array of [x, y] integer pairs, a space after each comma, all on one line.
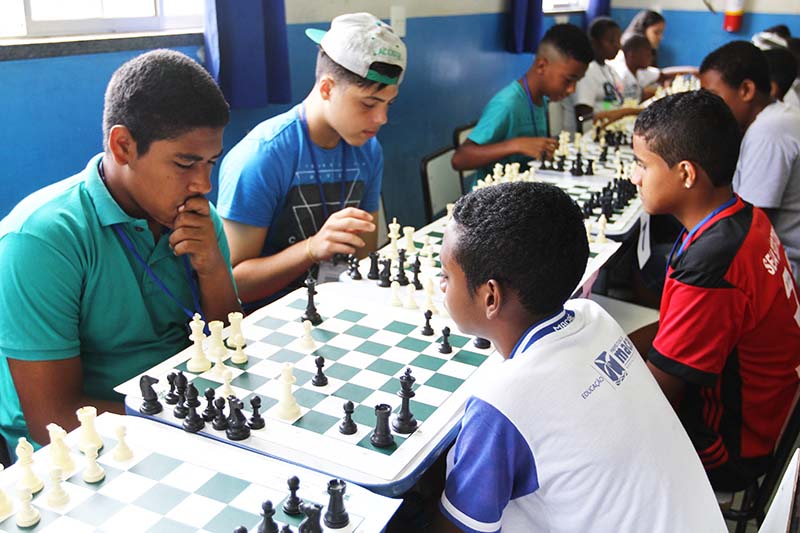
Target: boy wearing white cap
[[305, 185]]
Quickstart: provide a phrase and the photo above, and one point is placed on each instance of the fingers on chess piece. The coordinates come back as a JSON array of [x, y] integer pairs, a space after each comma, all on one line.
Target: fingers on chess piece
[[150, 404], [292, 504]]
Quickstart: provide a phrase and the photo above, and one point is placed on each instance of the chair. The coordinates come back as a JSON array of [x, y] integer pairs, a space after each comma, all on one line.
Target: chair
[[756, 496], [441, 184], [460, 134], [784, 511]]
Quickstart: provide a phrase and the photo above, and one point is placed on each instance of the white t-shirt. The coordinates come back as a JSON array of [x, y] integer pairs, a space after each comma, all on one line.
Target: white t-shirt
[[572, 433], [600, 88], [632, 85], [792, 96], [768, 172]]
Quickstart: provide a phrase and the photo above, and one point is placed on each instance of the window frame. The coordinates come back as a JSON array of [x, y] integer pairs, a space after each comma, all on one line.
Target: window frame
[[575, 6]]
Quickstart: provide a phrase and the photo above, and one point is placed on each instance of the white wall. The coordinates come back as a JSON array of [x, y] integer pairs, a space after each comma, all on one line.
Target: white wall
[[751, 6], [305, 11]]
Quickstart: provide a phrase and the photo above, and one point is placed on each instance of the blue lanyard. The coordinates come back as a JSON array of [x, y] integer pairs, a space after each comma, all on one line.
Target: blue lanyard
[[695, 229], [316, 168], [533, 110], [187, 269]]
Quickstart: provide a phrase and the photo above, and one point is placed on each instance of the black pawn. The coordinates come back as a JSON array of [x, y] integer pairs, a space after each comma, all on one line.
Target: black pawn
[[445, 347], [480, 342], [193, 421], [354, 272], [256, 420], [150, 404], [311, 313], [405, 422], [319, 379], [171, 398], [286, 529], [373, 266], [240, 529], [210, 411], [348, 427], [382, 437], [310, 523], [181, 410], [401, 277], [427, 330], [416, 267], [237, 424], [292, 504], [336, 516], [267, 524], [220, 421], [385, 273]]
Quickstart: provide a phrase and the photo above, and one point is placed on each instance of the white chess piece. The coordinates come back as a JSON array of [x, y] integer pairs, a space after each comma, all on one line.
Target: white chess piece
[[236, 338], [28, 515], [307, 340], [449, 208], [56, 496], [121, 451], [5, 502], [217, 348], [588, 224], [395, 301], [408, 232], [601, 232], [198, 362], [93, 473], [88, 435], [59, 452], [227, 390], [410, 303], [28, 480], [287, 408], [429, 297]]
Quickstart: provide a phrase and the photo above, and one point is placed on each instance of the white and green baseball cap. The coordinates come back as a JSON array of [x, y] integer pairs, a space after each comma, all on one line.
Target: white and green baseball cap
[[357, 40]]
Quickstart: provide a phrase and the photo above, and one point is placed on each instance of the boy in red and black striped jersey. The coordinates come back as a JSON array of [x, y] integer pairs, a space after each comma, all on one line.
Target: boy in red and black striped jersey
[[728, 345]]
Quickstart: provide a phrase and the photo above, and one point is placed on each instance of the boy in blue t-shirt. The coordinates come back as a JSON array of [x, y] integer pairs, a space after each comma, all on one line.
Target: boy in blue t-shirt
[[305, 185], [514, 125]]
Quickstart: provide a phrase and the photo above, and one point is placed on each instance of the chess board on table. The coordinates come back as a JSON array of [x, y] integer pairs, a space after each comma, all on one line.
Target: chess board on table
[[175, 483], [367, 345], [590, 151]]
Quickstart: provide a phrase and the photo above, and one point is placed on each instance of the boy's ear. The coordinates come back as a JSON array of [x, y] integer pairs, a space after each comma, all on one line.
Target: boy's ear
[[121, 144], [326, 84], [540, 64], [747, 90], [688, 172], [493, 298]]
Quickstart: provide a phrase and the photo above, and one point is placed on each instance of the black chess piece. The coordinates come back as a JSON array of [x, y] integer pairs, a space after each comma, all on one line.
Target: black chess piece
[[237, 424], [311, 313], [416, 268], [401, 277], [481, 343], [171, 398], [589, 168], [193, 421], [373, 266], [267, 524], [382, 437], [210, 411], [405, 422], [310, 523], [150, 404], [348, 427], [240, 529], [385, 273], [445, 347], [256, 420], [427, 330], [286, 529], [292, 504], [319, 379], [220, 420], [354, 272], [181, 410], [336, 516]]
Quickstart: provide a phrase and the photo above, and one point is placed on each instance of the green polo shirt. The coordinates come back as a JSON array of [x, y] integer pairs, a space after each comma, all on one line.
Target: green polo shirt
[[509, 115], [69, 287]]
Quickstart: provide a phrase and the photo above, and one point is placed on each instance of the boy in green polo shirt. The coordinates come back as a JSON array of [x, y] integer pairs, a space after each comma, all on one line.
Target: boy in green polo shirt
[[102, 271], [514, 125]]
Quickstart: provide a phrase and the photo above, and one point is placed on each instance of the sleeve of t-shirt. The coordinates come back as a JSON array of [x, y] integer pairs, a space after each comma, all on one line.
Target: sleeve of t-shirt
[[372, 184], [698, 329], [647, 76], [40, 298], [587, 88], [765, 167], [222, 240], [494, 122], [490, 464]]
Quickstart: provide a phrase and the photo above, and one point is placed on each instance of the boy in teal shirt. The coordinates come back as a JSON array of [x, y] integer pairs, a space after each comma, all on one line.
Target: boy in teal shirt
[[514, 126], [103, 270]]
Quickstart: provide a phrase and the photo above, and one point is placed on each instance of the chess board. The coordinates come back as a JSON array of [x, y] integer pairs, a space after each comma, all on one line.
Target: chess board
[[175, 483], [367, 345], [604, 169]]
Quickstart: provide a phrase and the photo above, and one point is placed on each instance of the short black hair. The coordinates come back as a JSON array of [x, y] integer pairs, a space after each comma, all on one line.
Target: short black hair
[[738, 61], [529, 237], [326, 65], [569, 41], [161, 95], [781, 30], [695, 126], [782, 68], [635, 42], [600, 26]]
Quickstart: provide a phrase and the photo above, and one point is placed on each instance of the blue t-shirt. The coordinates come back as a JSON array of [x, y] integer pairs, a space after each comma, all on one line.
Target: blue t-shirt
[[508, 115], [267, 180]]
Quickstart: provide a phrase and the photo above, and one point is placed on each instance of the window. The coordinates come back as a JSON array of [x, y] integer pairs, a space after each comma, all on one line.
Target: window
[[563, 6], [52, 18]]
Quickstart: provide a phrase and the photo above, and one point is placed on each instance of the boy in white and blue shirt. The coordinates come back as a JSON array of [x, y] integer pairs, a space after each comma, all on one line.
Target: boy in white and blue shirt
[[571, 432]]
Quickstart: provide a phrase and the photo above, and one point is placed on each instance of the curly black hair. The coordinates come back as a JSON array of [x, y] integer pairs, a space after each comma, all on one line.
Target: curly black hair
[[529, 237], [782, 69], [161, 95], [696, 126], [570, 41], [738, 61]]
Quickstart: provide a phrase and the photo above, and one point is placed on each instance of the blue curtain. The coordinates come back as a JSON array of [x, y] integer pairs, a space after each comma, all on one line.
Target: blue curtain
[[596, 8], [526, 26], [247, 52]]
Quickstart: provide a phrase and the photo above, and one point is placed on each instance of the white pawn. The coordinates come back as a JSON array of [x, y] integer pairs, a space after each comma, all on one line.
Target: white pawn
[[59, 453], [451, 207], [287, 408], [28, 515], [198, 362], [93, 473], [307, 341], [408, 231], [236, 338], [396, 294], [121, 451], [227, 390], [429, 296], [588, 224], [601, 232], [56, 496], [394, 228], [5, 502], [88, 434], [28, 480], [410, 302]]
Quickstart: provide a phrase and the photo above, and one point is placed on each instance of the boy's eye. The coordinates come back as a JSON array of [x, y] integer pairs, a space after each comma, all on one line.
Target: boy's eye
[[183, 166]]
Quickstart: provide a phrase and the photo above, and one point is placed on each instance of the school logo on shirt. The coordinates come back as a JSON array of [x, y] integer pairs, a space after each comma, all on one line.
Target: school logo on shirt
[[613, 363]]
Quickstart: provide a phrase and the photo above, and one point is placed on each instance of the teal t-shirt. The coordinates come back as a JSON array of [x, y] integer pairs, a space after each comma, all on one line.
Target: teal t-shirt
[[69, 287], [508, 115]]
